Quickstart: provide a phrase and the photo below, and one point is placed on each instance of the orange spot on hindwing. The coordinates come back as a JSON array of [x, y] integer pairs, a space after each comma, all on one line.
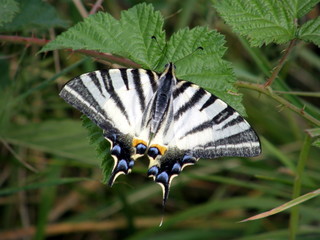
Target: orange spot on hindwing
[[156, 150]]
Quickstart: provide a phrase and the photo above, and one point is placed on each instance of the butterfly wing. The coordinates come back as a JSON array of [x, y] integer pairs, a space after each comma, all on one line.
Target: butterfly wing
[[114, 100], [204, 127]]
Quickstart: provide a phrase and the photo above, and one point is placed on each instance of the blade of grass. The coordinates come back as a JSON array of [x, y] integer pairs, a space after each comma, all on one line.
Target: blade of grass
[[44, 84], [285, 206], [42, 184], [294, 216], [46, 201]]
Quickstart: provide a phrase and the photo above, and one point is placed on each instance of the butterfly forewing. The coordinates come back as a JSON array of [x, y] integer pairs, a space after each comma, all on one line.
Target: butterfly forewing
[[210, 128], [115, 100]]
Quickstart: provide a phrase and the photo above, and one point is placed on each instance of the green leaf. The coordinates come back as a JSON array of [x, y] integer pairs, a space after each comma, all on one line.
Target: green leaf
[[204, 66], [129, 37], [8, 9], [34, 14], [63, 138], [102, 146], [261, 21], [301, 7], [310, 31]]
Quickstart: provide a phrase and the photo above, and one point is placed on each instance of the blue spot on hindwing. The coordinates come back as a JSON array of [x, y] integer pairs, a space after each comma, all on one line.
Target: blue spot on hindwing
[[122, 166], [116, 150], [153, 152], [176, 168], [141, 148], [131, 163], [163, 178], [188, 159], [153, 171]]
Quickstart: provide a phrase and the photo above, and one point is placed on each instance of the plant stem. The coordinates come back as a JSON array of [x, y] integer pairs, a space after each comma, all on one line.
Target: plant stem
[[284, 102], [294, 216], [41, 42], [280, 64], [82, 10], [298, 93], [24, 40], [95, 7]]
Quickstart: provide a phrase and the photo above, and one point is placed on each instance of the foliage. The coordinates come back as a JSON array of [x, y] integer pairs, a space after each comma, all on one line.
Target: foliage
[[50, 179], [34, 14], [8, 10], [265, 22]]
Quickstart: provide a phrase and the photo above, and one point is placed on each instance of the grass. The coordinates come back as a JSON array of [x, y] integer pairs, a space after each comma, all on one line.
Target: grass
[[50, 177]]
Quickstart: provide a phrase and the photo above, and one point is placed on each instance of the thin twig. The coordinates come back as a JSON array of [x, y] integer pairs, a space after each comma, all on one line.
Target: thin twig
[[56, 57], [277, 69], [298, 93], [24, 40], [268, 91], [83, 12], [109, 57], [41, 42], [95, 7], [27, 165]]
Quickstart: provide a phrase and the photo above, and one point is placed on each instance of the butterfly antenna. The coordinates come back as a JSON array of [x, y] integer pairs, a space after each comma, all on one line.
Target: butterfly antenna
[[197, 49]]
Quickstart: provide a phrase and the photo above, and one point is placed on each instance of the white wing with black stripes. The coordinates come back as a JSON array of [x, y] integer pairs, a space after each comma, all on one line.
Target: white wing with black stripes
[[114, 100], [173, 122]]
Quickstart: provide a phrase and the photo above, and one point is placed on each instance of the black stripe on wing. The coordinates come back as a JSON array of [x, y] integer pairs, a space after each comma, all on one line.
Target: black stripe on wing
[[192, 101], [113, 94], [242, 144], [209, 102], [94, 78], [124, 75], [152, 80], [138, 87], [180, 90], [77, 95]]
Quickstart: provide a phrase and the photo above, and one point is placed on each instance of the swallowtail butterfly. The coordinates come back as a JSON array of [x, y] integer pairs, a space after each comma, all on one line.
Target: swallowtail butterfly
[[171, 121]]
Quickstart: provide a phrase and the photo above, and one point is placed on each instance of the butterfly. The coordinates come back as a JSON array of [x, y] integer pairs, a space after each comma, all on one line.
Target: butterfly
[[171, 121]]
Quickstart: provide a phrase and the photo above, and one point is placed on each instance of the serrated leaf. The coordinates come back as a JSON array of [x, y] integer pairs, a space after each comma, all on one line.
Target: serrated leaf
[[261, 21], [102, 146], [310, 31], [203, 66], [8, 9], [129, 37], [34, 14], [63, 138], [301, 7], [139, 25]]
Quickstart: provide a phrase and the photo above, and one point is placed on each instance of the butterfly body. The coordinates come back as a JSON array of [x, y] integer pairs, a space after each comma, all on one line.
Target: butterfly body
[[173, 122]]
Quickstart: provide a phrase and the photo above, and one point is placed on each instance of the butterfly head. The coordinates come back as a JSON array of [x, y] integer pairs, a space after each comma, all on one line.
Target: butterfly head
[[169, 71]]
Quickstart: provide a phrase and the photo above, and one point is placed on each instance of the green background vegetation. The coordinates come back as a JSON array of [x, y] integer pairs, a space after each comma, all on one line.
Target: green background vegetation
[[51, 178]]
